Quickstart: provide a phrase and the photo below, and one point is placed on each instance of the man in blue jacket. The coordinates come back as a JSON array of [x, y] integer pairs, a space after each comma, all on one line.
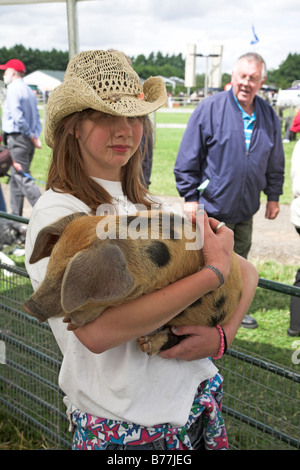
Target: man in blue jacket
[[230, 152]]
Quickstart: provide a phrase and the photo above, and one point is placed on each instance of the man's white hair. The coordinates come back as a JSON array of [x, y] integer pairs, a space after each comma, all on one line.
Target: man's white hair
[[253, 57]]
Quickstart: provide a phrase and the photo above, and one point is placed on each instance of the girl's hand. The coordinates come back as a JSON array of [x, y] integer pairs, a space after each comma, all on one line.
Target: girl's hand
[[217, 244], [205, 341], [201, 342]]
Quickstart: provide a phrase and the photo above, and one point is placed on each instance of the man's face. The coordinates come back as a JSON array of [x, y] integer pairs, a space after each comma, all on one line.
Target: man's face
[[8, 76], [246, 81]]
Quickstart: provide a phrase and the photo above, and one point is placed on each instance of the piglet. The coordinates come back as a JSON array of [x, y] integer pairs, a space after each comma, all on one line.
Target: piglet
[[99, 261]]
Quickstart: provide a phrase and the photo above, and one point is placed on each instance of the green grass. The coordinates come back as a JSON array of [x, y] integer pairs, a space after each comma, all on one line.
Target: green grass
[[272, 312], [167, 142], [18, 437], [173, 118]]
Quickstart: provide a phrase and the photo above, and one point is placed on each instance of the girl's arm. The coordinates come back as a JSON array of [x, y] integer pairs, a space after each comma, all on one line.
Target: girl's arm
[[117, 325], [205, 341]]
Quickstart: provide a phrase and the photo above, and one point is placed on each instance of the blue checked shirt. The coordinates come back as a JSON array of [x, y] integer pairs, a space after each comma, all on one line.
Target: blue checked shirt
[[20, 111], [248, 124]]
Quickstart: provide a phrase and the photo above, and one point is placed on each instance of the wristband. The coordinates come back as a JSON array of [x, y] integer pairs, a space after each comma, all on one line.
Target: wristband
[[216, 271], [225, 341], [222, 342]]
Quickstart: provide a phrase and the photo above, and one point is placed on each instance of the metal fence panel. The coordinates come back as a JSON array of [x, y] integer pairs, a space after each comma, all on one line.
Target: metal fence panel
[[29, 374], [261, 399], [261, 405]]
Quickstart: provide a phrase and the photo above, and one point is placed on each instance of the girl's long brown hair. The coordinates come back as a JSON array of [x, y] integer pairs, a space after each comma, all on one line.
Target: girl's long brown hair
[[67, 172]]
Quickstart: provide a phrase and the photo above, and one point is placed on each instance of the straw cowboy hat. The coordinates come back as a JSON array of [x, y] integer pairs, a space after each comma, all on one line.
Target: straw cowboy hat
[[104, 81]]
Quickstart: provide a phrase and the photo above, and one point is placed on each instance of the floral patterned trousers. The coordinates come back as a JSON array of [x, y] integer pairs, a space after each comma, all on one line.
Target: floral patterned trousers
[[204, 429]]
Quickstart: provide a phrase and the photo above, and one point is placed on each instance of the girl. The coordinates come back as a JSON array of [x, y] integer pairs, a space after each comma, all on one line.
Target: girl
[[117, 396]]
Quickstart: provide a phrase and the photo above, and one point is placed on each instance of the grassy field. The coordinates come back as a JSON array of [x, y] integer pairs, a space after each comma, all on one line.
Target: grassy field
[[167, 142], [270, 309]]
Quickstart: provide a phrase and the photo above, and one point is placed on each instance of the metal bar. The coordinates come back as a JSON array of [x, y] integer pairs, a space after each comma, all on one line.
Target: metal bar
[[264, 365], [25, 316], [25, 371], [279, 287], [72, 27], [15, 270], [262, 427], [29, 349], [36, 424], [34, 398], [16, 218]]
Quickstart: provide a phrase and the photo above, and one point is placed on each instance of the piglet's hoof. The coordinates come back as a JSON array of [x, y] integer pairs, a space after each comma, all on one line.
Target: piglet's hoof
[[145, 345]]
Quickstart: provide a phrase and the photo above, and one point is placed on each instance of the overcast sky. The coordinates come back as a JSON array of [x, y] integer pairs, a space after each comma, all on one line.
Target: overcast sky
[[144, 26]]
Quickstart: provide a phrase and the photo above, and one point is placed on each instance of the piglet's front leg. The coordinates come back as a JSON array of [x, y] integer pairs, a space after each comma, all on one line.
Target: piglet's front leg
[[164, 339]]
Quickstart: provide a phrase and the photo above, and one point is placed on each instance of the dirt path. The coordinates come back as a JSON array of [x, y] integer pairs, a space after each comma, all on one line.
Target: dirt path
[[272, 239]]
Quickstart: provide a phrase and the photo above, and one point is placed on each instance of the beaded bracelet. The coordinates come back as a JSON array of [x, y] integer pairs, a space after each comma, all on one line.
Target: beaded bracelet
[[225, 341], [215, 270], [222, 343]]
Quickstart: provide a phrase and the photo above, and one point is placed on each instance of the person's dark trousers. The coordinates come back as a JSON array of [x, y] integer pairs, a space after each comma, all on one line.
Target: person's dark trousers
[[22, 151], [242, 236], [2, 201], [294, 329], [242, 244], [295, 310]]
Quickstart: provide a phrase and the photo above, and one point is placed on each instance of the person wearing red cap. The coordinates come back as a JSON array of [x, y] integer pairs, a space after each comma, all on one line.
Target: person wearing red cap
[[14, 64], [21, 127]]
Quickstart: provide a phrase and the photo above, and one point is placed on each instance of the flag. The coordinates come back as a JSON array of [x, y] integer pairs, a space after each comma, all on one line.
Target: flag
[[255, 38]]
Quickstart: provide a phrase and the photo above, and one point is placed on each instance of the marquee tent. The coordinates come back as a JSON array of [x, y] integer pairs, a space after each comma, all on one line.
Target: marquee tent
[[44, 80]]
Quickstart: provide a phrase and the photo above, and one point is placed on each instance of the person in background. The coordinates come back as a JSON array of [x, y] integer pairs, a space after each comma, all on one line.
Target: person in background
[[2, 201], [22, 127], [147, 152], [230, 152], [291, 132], [294, 329]]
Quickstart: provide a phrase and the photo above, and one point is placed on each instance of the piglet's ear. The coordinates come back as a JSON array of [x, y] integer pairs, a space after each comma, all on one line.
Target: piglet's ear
[[48, 237], [97, 274]]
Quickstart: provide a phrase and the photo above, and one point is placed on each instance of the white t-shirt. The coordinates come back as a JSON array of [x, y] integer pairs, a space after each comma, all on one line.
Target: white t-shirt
[[122, 383]]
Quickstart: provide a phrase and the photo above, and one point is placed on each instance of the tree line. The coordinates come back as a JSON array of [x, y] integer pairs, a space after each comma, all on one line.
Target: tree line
[[34, 59], [154, 64]]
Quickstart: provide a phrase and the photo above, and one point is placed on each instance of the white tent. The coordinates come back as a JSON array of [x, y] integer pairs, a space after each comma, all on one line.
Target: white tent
[[289, 97], [43, 80]]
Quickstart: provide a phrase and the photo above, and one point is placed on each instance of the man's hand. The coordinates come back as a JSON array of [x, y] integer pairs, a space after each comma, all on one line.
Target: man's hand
[[190, 210], [17, 166], [272, 210], [36, 142]]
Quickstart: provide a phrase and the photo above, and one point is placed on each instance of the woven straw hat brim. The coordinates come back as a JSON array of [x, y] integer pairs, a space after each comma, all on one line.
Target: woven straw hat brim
[[74, 95]]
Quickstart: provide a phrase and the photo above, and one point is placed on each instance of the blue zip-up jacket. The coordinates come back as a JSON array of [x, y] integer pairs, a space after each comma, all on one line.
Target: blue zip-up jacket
[[213, 148]]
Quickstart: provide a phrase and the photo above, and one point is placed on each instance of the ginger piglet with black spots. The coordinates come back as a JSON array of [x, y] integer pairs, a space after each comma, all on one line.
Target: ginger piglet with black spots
[[99, 261]]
